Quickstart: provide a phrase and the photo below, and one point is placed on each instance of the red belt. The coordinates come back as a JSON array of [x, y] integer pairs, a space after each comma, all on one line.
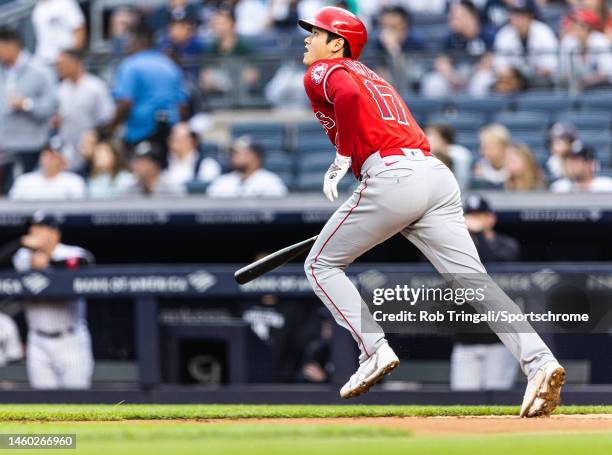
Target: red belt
[[399, 152]]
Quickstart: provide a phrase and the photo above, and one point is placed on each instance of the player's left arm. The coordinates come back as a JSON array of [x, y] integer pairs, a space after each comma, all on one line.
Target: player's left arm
[[344, 93]]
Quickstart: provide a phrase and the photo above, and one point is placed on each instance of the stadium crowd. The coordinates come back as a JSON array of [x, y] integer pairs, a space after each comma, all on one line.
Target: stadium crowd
[[68, 133]]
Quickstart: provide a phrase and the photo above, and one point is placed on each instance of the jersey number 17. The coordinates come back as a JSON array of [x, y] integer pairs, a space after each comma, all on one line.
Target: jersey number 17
[[387, 102]]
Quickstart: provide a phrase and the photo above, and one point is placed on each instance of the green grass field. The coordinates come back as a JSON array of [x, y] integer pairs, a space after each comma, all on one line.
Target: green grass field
[[111, 430]]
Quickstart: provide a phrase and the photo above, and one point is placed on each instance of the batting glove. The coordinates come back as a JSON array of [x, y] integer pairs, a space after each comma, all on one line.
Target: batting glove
[[333, 175]]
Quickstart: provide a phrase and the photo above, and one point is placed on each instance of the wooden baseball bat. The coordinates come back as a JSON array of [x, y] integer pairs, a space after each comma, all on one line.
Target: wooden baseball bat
[[272, 261]]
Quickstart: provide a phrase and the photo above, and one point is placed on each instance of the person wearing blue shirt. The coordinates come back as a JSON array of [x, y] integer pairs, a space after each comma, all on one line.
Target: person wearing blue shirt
[[147, 85]]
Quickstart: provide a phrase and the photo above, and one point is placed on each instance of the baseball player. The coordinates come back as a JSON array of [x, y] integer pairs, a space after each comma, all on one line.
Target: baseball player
[[403, 189], [58, 353]]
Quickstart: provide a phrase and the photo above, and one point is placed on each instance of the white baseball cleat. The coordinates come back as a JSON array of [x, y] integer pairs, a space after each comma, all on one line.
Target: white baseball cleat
[[381, 363], [543, 392]]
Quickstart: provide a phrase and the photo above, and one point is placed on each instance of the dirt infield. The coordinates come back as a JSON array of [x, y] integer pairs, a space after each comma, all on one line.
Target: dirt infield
[[428, 425], [456, 425]]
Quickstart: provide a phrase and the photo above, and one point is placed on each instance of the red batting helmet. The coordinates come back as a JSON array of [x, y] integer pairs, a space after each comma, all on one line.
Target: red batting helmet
[[343, 23]]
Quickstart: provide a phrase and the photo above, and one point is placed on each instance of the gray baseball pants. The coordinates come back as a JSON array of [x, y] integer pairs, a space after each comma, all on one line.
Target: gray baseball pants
[[418, 196]]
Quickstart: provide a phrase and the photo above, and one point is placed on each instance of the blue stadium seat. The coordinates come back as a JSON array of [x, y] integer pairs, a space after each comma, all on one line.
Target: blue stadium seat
[[196, 187], [318, 143], [489, 106], [480, 184], [534, 139], [429, 19], [423, 106], [469, 140], [266, 43], [542, 102], [523, 120], [314, 162], [432, 34], [468, 121], [278, 161], [313, 181], [313, 127], [589, 120], [597, 99], [269, 135], [287, 178], [602, 143]]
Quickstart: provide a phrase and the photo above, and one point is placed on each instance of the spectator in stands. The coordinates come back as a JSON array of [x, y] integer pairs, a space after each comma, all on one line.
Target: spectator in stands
[[28, 99], [586, 61], [470, 41], [524, 173], [122, 20], [59, 354], [510, 81], [181, 41], [147, 85], [495, 12], [248, 179], [422, 6], [109, 176], [561, 137], [58, 25], [50, 181], [480, 361], [11, 349], [285, 13], [85, 103], [172, 10], [599, 7], [580, 170], [395, 35], [286, 88], [147, 163], [494, 142], [227, 42], [228, 74], [252, 17], [396, 39], [527, 44], [87, 145], [185, 162], [442, 141]]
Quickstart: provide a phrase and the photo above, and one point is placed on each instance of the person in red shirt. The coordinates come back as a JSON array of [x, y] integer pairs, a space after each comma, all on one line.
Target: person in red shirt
[[404, 189]]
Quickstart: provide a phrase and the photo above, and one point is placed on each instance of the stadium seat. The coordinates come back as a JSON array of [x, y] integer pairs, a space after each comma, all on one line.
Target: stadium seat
[[597, 100], [313, 181], [314, 162], [542, 102], [318, 143], [423, 106], [278, 161], [465, 122], [590, 120], [269, 135], [523, 120], [196, 187], [534, 139], [488, 106]]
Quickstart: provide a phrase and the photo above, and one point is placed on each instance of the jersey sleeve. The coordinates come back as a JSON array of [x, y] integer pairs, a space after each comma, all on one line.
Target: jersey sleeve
[[344, 93], [316, 78]]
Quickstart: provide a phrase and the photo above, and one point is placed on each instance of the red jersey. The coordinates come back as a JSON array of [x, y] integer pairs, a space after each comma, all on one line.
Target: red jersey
[[361, 112]]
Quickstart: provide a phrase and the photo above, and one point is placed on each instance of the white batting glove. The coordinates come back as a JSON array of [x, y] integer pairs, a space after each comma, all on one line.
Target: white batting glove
[[336, 171]]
